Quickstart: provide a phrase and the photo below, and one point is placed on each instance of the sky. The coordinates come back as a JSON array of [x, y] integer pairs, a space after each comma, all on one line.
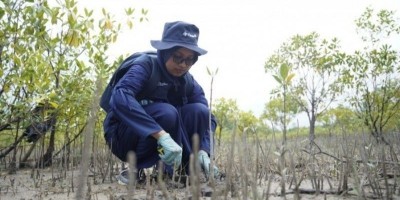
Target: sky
[[240, 35]]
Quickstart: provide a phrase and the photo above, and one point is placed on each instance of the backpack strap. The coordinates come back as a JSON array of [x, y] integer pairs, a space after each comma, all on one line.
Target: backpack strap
[[155, 77]]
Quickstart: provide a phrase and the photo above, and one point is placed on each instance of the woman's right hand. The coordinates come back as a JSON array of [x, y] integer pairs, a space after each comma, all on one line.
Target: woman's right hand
[[169, 151]]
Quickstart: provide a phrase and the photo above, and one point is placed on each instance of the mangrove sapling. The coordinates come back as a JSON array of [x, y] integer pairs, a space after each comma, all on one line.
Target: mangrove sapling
[[212, 74], [88, 136]]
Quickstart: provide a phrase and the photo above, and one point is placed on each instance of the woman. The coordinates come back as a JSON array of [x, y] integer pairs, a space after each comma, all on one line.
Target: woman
[[161, 123]]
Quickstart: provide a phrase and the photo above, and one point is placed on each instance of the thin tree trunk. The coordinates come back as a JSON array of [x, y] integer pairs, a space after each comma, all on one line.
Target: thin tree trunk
[[47, 158]]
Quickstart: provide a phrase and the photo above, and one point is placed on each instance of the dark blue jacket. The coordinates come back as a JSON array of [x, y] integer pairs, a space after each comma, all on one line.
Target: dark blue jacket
[[131, 85]]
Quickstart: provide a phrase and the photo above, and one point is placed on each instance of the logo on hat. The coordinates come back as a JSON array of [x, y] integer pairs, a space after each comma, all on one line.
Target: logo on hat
[[187, 34]]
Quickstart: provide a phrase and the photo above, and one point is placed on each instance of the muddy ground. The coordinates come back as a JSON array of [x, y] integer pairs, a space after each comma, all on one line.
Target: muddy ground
[[48, 184]]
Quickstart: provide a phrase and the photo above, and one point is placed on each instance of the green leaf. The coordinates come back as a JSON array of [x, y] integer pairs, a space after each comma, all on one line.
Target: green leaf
[[53, 104], [54, 16], [80, 64], [277, 79], [284, 70], [72, 38], [130, 24], [6, 88], [71, 20], [1, 13], [129, 11]]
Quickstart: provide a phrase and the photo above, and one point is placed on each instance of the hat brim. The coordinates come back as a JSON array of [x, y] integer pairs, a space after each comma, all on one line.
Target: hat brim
[[160, 45]]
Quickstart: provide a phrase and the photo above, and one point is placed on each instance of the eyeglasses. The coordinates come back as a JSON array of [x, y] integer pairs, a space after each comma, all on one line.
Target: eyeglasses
[[179, 60]]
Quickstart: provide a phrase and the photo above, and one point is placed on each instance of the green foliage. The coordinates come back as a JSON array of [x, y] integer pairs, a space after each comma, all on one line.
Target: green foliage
[[315, 73], [230, 117], [224, 110], [54, 53], [373, 74], [274, 110], [373, 27], [335, 120], [284, 80], [247, 120]]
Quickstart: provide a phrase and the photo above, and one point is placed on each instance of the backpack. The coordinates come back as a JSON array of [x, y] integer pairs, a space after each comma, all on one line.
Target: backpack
[[150, 60]]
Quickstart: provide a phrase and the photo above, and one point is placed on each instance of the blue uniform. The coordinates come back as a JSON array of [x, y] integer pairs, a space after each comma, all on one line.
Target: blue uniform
[[129, 124]]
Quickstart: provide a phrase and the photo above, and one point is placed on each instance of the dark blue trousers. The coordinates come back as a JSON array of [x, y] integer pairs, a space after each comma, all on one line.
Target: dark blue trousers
[[181, 123]]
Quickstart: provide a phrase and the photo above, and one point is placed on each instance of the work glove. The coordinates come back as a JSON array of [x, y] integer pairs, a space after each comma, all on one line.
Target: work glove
[[205, 164], [169, 151]]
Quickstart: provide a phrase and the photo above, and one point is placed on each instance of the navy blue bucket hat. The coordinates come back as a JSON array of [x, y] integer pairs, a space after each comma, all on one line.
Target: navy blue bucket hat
[[179, 34]]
